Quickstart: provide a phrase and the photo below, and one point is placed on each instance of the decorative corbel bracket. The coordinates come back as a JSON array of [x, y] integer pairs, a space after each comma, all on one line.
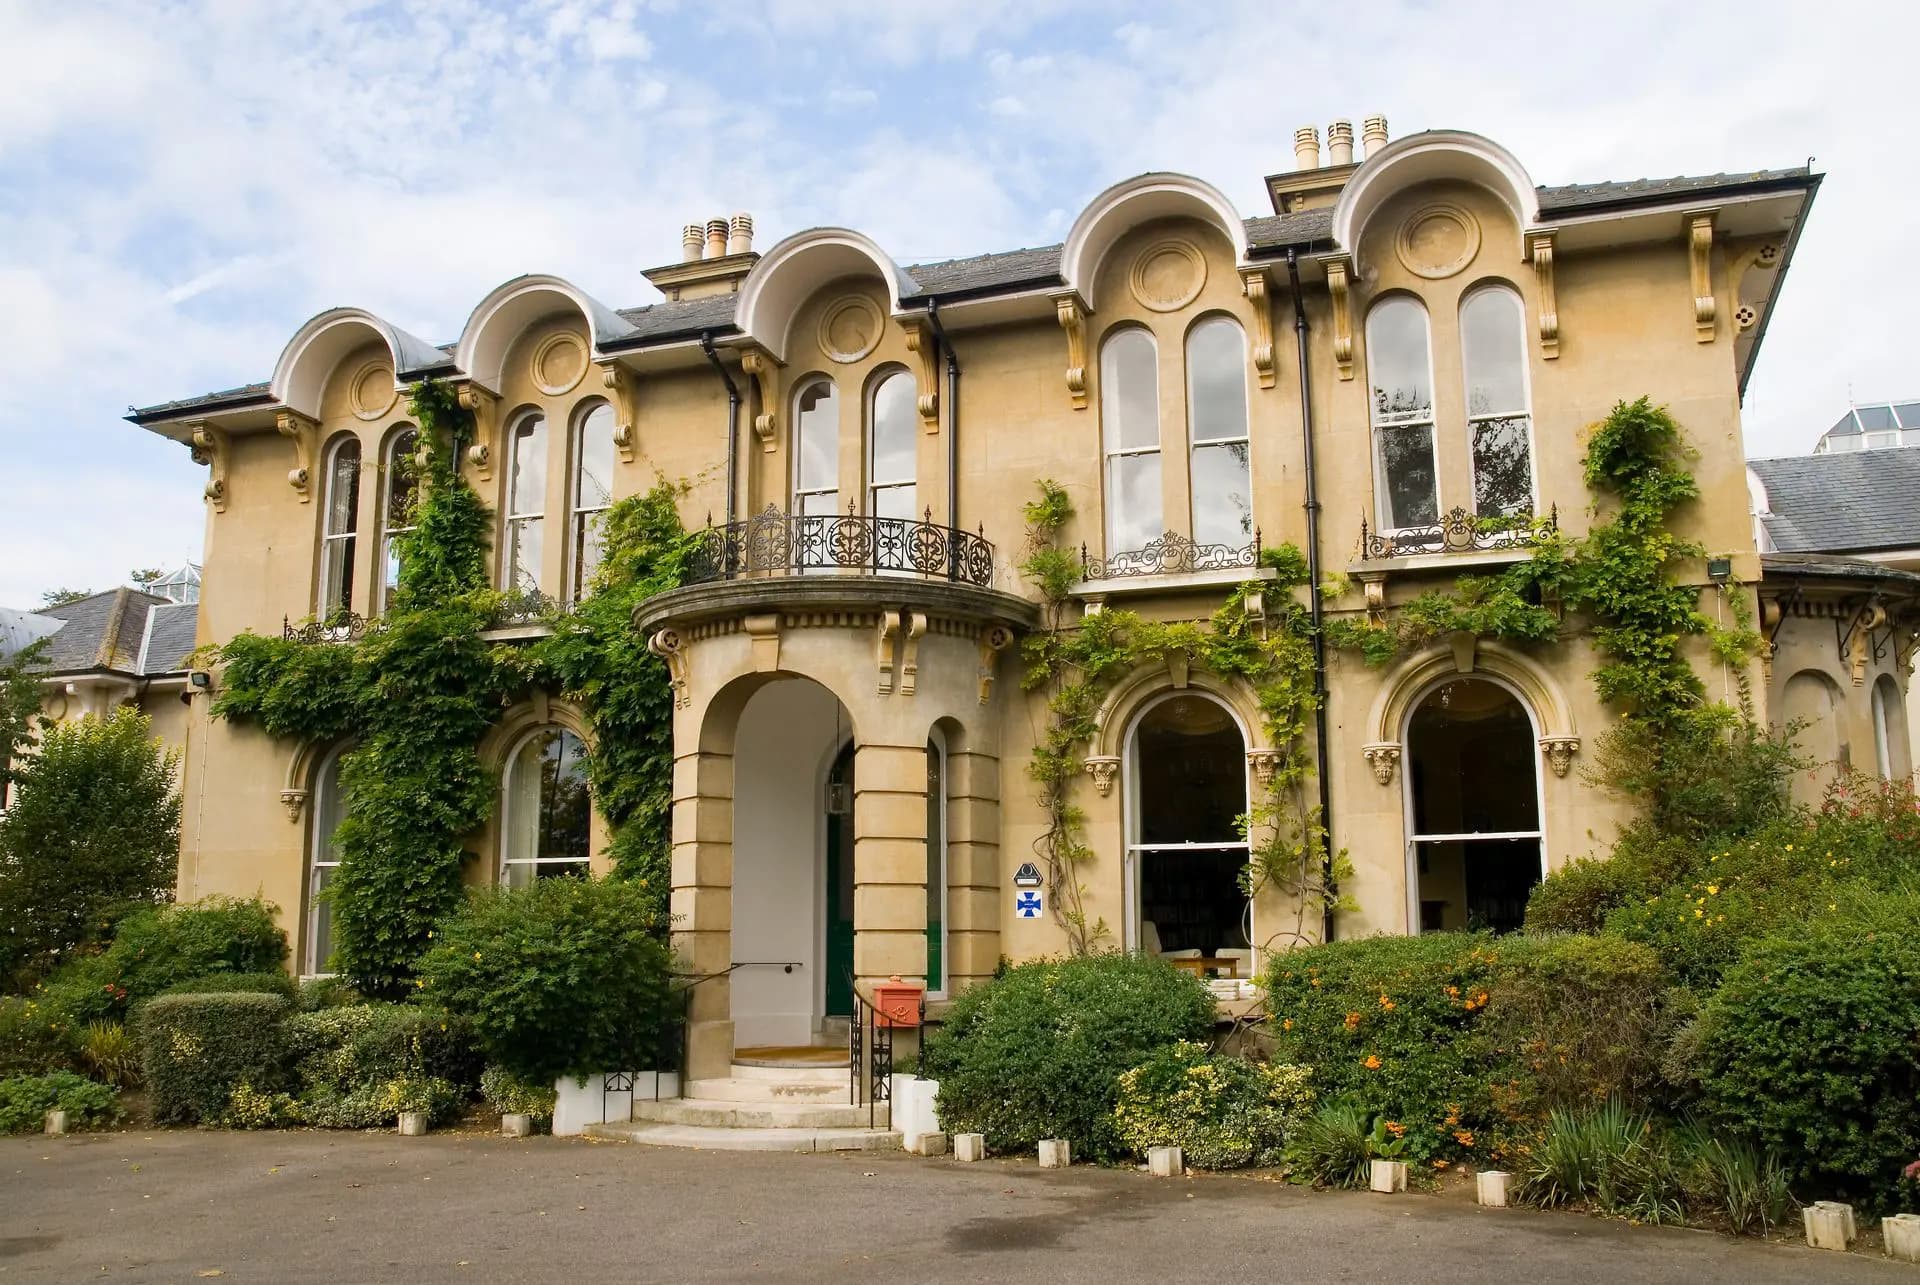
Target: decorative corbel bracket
[[993, 640], [760, 364], [1253, 284], [293, 801], [209, 446], [1700, 259], [926, 373], [668, 647], [1375, 588], [910, 652], [304, 433], [1383, 757], [486, 422], [1339, 274], [763, 635], [1103, 769], [623, 392], [1559, 751], [1072, 315], [1265, 763], [1540, 252], [884, 635]]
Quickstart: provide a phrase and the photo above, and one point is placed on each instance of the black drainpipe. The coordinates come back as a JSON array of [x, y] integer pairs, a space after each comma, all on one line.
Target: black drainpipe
[[1313, 587], [733, 422], [953, 415]]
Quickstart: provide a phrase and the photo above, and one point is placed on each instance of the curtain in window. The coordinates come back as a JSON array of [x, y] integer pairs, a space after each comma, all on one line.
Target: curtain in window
[[592, 494], [339, 533], [526, 503]]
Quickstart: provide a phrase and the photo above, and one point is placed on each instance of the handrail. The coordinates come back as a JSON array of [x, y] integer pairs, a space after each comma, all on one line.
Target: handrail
[[772, 543], [870, 1049]]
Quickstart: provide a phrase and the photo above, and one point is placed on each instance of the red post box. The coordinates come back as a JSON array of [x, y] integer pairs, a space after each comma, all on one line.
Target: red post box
[[897, 1003]]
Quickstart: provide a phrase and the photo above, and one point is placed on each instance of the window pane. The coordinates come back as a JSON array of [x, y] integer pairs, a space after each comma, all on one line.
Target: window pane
[[593, 483], [894, 502], [343, 489], [1909, 413], [1222, 498], [320, 925], [589, 544], [523, 555], [529, 490], [1880, 441], [1842, 444], [1502, 471], [1133, 501], [1129, 392], [337, 564], [1397, 361], [894, 430], [1875, 419], [1190, 772], [1407, 470], [1216, 381], [548, 805], [1493, 341], [817, 437], [329, 810], [402, 484], [821, 504]]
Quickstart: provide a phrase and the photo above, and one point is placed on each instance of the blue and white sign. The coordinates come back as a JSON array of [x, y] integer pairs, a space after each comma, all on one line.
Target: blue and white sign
[[1027, 904]]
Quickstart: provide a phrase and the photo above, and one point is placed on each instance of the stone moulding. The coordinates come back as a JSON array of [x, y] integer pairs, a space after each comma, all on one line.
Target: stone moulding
[[210, 448], [1253, 284], [1560, 751], [485, 407], [1540, 253], [623, 393], [1383, 757], [1103, 768]]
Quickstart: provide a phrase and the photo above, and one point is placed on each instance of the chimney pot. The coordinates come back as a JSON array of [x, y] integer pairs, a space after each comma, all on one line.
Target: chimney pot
[[1340, 143], [1373, 132], [716, 238], [692, 238], [1306, 148], [740, 234]]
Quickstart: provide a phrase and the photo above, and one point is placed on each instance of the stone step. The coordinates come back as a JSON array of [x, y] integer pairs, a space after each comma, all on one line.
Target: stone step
[[792, 1074], [704, 1137], [721, 1114], [754, 1089]]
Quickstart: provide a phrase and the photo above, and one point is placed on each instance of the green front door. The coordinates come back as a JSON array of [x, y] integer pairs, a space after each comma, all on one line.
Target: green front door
[[839, 900]]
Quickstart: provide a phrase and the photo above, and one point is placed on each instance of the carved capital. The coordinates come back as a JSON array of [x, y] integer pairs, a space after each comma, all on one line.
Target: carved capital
[[1339, 270], [1559, 751], [304, 433], [1383, 757], [667, 645], [926, 374], [760, 364], [1700, 261], [1265, 763], [293, 801], [486, 424], [1253, 284], [1540, 250], [624, 393], [1103, 769], [993, 640], [1073, 319], [210, 448]]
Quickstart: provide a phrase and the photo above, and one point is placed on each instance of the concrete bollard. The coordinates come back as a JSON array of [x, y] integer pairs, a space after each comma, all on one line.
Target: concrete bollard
[[1829, 1224], [1166, 1162], [927, 1144], [1902, 1236], [516, 1124], [56, 1124], [1389, 1176], [1491, 1187], [969, 1147], [1055, 1153], [413, 1124]]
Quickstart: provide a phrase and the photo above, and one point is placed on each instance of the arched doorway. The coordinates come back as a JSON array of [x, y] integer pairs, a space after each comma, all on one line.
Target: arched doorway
[[1473, 800], [1186, 785]]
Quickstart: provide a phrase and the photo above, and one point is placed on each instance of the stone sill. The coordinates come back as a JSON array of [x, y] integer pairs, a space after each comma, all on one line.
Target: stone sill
[[1142, 586], [516, 633], [1441, 561]]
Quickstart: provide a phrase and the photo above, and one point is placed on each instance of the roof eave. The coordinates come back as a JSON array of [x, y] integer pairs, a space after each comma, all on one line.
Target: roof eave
[[1811, 187]]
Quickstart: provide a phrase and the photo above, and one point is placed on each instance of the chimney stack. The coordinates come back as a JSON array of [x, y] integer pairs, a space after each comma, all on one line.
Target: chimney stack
[[692, 237], [1306, 148], [740, 237], [716, 238], [1373, 132], [1340, 143]]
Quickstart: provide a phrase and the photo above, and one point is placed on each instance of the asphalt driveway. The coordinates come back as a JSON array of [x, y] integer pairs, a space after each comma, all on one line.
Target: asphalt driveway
[[330, 1207]]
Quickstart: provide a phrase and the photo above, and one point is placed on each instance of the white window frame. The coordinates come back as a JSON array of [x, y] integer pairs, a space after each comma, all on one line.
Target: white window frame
[[506, 810], [318, 843], [1377, 421], [800, 493], [579, 515], [875, 484], [333, 542], [514, 522], [1244, 440], [1109, 452], [1474, 420], [390, 464]]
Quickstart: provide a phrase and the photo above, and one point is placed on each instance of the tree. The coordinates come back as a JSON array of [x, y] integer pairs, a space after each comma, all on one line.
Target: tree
[[93, 833], [61, 597], [145, 578]]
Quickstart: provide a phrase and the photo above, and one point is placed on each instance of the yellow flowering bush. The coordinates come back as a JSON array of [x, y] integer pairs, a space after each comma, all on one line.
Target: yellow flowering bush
[[1222, 1111]]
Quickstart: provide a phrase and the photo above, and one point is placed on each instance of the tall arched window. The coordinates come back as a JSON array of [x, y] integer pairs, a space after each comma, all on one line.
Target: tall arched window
[[1400, 368], [526, 502], [338, 535], [1891, 751], [592, 492], [399, 485], [329, 810], [1217, 420], [1493, 349], [816, 448], [892, 439], [1130, 431], [546, 813]]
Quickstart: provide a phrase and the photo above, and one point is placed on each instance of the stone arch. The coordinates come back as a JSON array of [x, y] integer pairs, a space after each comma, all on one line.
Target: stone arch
[[536, 711], [317, 348], [1409, 681], [511, 308], [1127, 698], [1424, 158], [791, 272], [1127, 205]]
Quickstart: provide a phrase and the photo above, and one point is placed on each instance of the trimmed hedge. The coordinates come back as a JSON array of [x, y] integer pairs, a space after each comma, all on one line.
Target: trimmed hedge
[[348, 1060], [236, 984], [26, 1099], [162, 947], [1038, 1052], [196, 1049]]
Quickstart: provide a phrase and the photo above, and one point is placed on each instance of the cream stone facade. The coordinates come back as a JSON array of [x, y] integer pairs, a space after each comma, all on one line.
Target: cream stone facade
[[1410, 343]]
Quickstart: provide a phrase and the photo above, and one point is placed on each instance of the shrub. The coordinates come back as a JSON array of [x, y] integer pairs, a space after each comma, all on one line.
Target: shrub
[[1736, 1179], [161, 947], [565, 977], [1808, 1047], [110, 1053], [35, 1037], [1333, 1146], [316, 993], [251, 1108], [275, 983], [508, 1094], [1038, 1052], [1608, 1156], [346, 1058], [1707, 773], [1222, 1111], [438, 1099], [26, 1099], [196, 1048], [94, 831]]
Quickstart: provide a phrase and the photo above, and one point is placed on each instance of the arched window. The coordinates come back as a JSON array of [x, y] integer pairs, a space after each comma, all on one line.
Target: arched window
[[1400, 369], [1217, 420], [1493, 349], [816, 448], [1187, 789], [1130, 431], [1892, 753], [526, 502], [592, 492], [546, 813], [338, 535], [892, 439], [329, 810], [400, 484]]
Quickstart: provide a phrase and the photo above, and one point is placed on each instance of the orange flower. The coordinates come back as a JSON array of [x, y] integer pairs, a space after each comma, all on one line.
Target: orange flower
[[1397, 1129], [1439, 1164], [1386, 1003], [1287, 1025], [1353, 1021], [1463, 1136], [1372, 1063]]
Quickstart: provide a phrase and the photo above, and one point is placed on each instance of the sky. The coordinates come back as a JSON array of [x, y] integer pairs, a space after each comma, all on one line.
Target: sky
[[184, 182]]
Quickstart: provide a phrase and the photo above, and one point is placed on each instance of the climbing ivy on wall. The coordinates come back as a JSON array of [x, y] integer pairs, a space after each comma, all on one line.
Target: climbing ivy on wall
[[420, 691]]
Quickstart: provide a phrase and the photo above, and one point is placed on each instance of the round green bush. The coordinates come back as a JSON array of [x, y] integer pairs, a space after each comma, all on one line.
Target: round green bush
[[346, 1059], [1038, 1052], [35, 1037], [1222, 1111], [163, 946]]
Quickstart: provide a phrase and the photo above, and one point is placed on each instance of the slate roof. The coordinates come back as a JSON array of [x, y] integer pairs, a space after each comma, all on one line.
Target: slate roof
[[1855, 502], [1581, 198], [122, 630], [21, 629], [169, 640], [1820, 566]]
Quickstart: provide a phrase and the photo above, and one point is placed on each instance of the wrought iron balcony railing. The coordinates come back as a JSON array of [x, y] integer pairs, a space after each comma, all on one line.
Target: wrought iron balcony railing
[[1457, 532], [1172, 554], [516, 607], [772, 543]]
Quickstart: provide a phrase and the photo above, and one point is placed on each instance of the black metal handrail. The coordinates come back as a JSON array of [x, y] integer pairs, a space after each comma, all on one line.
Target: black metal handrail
[[340, 626], [1172, 554], [1459, 531], [774, 543], [870, 1053]]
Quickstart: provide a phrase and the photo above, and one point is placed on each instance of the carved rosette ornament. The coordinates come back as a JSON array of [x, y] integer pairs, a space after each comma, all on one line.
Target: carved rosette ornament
[[1559, 751], [293, 801], [1265, 763], [1383, 757], [1103, 769]]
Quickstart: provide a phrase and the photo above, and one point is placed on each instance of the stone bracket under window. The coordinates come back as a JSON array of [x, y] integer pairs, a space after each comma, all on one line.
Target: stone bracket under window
[[293, 801], [1253, 284], [760, 364], [1339, 272], [304, 433], [1700, 262], [1383, 757], [210, 448], [926, 374], [485, 407], [1072, 315], [1103, 768], [1540, 254], [1559, 751], [624, 393], [994, 639]]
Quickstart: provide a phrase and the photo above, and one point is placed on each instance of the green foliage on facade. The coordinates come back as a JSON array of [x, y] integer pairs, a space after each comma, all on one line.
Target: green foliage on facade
[[19, 703]]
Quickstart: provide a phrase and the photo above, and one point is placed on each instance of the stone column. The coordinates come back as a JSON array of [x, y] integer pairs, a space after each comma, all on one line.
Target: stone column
[[973, 869], [890, 863], [702, 903]]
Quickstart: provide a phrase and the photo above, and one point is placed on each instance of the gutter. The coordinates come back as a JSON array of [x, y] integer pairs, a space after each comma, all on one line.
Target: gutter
[[733, 422]]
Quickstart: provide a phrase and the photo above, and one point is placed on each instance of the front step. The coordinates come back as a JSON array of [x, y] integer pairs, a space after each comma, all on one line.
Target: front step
[[721, 1113], [707, 1138], [835, 1089], [791, 1074]]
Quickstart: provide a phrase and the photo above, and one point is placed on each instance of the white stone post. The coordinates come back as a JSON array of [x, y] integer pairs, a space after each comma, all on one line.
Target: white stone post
[[516, 1124], [1829, 1224], [1055, 1153], [1902, 1236], [1166, 1162], [56, 1125], [413, 1124], [969, 1147], [1389, 1176], [1491, 1187]]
